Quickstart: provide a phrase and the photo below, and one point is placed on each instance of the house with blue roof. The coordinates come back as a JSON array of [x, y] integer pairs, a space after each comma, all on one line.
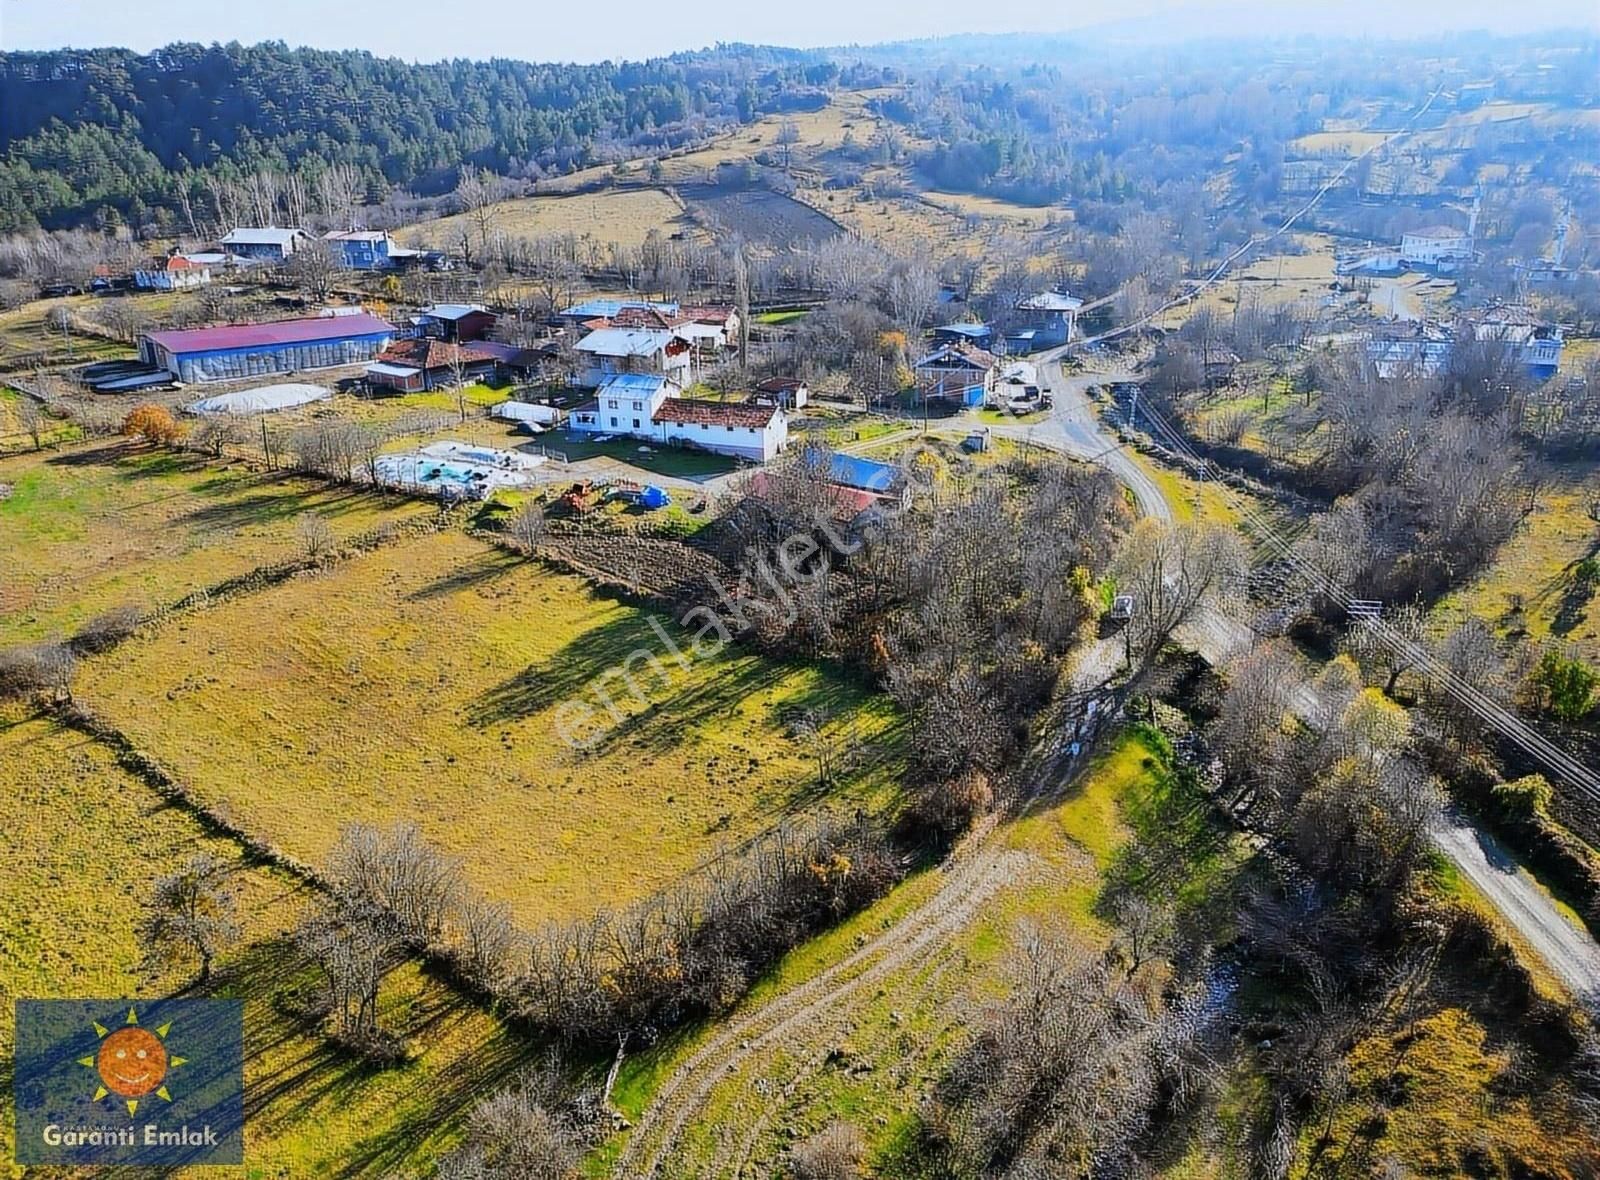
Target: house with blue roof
[[606, 309], [977, 335], [625, 403], [883, 480]]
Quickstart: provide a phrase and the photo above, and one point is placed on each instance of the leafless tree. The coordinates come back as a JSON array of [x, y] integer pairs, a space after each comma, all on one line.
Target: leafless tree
[[528, 527], [315, 533], [351, 949], [533, 1129], [191, 914], [1174, 572], [316, 267], [787, 137], [31, 415], [395, 875], [477, 194]]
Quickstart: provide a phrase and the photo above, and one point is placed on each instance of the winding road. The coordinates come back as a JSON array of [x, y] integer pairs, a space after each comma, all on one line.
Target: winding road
[[1567, 948]]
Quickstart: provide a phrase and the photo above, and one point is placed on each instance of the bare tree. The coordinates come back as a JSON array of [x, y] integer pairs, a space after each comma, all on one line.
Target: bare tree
[[316, 267], [534, 1129], [396, 876], [787, 137], [32, 417], [477, 193], [528, 527], [1174, 572], [191, 914], [351, 949], [315, 533]]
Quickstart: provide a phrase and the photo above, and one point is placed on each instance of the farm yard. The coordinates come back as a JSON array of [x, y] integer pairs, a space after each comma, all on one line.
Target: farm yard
[[760, 217], [430, 681]]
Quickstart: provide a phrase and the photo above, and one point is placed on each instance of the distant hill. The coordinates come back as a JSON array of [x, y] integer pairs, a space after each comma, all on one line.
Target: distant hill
[[111, 133]]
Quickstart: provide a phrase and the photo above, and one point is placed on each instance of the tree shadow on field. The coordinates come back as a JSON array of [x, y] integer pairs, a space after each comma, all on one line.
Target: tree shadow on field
[[110, 454], [486, 567], [277, 502], [569, 673]]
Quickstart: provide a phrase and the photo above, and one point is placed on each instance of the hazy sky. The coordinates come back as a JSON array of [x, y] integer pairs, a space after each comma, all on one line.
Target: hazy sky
[[546, 30]]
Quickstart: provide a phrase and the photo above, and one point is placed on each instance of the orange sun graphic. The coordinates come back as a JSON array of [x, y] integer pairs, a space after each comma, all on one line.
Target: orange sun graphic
[[132, 1062]]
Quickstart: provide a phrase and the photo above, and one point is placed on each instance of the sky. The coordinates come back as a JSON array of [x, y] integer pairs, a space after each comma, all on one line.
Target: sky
[[559, 30]]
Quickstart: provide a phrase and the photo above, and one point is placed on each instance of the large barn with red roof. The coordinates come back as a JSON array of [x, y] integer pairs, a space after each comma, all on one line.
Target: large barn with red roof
[[256, 350]]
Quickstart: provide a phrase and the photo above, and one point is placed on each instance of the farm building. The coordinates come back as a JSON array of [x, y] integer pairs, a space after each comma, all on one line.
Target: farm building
[[743, 430], [1375, 260], [710, 328], [369, 249], [882, 480], [268, 243], [977, 335], [280, 346], [457, 321], [607, 352], [957, 373], [426, 362], [172, 272], [789, 392]]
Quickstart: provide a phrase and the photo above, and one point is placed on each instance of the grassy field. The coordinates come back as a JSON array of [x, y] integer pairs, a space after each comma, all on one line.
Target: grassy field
[[85, 844], [655, 460], [901, 1034], [623, 216], [1335, 143], [14, 439], [27, 339], [428, 681], [1530, 585], [109, 523]]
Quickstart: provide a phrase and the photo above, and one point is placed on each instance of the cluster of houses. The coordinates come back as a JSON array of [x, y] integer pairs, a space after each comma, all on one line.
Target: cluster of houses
[[247, 246], [1424, 349]]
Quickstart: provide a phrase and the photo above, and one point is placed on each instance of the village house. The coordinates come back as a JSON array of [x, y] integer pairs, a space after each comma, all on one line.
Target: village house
[[710, 328], [1047, 320], [1436, 247], [886, 483], [173, 272], [1533, 343], [426, 362], [590, 310], [608, 351], [370, 249], [741, 429], [649, 406], [977, 335], [959, 373], [266, 244], [456, 321]]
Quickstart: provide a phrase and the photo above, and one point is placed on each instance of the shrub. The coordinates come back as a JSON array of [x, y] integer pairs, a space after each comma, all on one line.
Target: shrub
[[155, 424], [104, 632], [41, 667], [1564, 687], [1525, 798]]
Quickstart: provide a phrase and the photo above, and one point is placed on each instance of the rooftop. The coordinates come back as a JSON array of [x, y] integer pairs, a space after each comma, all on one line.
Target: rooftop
[[1050, 301], [453, 311], [428, 352], [625, 341], [300, 331], [1436, 231], [606, 308], [960, 355], [269, 235], [865, 474], [697, 411], [634, 384]]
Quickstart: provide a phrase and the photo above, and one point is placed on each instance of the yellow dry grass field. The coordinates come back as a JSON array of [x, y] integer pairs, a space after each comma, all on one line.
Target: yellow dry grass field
[[82, 848], [623, 216], [1028, 217], [94, 527], [1335, 143], [1531, 585], [431, 682]]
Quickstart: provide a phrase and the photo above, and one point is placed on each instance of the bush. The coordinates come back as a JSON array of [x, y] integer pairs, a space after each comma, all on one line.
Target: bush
[[104, 632], [1526, 798], [41, 667], [155, 424], [1564, 686]]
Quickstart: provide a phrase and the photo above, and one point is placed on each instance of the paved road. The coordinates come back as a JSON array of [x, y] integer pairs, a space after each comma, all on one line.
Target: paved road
[[1074, 429]]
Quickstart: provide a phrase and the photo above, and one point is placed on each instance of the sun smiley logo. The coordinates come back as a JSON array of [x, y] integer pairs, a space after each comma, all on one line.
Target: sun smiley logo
[[132, 1062]]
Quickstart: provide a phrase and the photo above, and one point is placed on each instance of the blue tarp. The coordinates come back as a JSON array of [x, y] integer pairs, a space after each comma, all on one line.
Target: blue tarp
[[654, 497], [854, 472]]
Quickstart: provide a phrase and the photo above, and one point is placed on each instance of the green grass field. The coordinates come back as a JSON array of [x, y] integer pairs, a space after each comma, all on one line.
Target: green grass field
[[429, 682], [653, 459], [94, 527]]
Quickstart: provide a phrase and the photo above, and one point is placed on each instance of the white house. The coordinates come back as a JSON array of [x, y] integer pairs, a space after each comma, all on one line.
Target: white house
[[625, 404], [173, 272], [742, 429], [1376, 260], [607, 352], [1437, 246], [269, 242], [1528, 340]]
